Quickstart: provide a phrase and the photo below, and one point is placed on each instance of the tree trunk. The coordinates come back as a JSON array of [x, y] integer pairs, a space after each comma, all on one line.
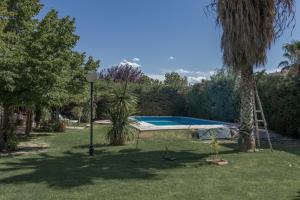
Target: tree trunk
[[8, 125], [2, 142], [38, 116], [247, 137], [55, 114], [28, 122]]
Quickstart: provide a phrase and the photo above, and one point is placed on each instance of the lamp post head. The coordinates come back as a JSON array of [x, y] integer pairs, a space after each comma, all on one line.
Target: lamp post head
[[91, 76]]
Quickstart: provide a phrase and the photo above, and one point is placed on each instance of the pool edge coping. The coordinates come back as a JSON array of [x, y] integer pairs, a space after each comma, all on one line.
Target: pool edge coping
[[151, 127]]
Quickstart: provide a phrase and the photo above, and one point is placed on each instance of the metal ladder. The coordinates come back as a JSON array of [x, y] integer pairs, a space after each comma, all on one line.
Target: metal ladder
[[260, 123]]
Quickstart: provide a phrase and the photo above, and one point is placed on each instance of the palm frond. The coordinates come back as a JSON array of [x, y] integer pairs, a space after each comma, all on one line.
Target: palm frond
[[250, 27], [284, 63]]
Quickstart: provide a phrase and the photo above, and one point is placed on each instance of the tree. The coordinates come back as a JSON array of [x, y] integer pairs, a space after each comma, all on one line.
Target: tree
[[292, 54], [121, 72], [16, 25], [249, 28], [58, 71], [175, 81], [219, 97], [38, 66]]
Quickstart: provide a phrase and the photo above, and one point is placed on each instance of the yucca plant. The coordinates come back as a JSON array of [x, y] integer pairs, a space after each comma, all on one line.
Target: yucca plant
[[122, 106]]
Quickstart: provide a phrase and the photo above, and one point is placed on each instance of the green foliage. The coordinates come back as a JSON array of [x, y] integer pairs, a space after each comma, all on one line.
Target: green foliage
[[122, 106], [45, 114], [216, 99], [175, 81], [53, 126], [77, 112], [38, 65], [102, 106], [16, 27], [280, 98], [12, 142], [161, 101], [292, 55], [59, 126]]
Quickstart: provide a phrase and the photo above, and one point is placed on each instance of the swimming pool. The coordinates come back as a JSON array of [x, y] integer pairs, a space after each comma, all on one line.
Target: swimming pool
[[170, 121], [173, 122]]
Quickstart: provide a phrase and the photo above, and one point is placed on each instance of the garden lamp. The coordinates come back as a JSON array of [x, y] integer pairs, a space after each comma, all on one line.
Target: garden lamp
[[91, 77]]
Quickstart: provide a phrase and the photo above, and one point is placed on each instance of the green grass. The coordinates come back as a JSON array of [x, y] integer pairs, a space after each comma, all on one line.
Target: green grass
[[66, 172]]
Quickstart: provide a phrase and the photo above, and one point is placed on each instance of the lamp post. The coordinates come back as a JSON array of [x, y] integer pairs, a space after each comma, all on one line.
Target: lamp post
[[91, 77]]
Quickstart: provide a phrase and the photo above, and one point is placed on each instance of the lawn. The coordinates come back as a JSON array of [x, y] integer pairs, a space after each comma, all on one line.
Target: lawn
[[66, 172]]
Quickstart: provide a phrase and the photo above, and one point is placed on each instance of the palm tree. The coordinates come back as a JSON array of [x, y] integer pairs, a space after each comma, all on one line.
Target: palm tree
[[292, 54], [122, 105], [249, 28]]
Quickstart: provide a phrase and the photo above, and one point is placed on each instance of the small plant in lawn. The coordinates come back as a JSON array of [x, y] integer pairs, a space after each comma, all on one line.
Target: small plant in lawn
[[214, 144]]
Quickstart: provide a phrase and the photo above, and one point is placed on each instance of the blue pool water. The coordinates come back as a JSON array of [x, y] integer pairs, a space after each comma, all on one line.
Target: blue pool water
[[172, 121]]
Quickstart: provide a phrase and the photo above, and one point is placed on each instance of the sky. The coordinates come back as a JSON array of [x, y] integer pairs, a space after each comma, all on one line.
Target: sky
[[158, 36]]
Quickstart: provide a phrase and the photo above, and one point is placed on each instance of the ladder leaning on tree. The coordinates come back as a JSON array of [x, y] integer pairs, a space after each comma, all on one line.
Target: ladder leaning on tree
[[260, 124]]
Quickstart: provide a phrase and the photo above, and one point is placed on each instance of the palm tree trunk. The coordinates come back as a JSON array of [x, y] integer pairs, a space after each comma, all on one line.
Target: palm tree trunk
[[247, 138]]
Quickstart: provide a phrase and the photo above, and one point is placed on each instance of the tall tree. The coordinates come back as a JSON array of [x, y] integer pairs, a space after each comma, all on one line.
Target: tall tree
[[16, 25], [39, 66], [292, 55], [249, 28]]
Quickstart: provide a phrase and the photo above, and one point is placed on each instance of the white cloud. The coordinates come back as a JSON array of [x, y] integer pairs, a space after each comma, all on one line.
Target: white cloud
[[160, 77], [131, 63], [171, 58], [136, 60], [183, 71], [195, 76], [197, 79], [192, 76], [273, 70], [207, 74]]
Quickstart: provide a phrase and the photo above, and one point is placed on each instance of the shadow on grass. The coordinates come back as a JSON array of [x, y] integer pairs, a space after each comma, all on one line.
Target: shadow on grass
[[297, 196], [86, 146], [289, 148], [294, 149], [25, 138], [76, 169]]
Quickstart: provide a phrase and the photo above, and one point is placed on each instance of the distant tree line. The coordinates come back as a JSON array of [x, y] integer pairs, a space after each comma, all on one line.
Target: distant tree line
[[216, 99]]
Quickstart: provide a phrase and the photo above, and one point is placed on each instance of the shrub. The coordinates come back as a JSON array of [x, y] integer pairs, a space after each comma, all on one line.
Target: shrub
[[280, 98], [216, 99], [59, 126], [12, 142], [50, 126]]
